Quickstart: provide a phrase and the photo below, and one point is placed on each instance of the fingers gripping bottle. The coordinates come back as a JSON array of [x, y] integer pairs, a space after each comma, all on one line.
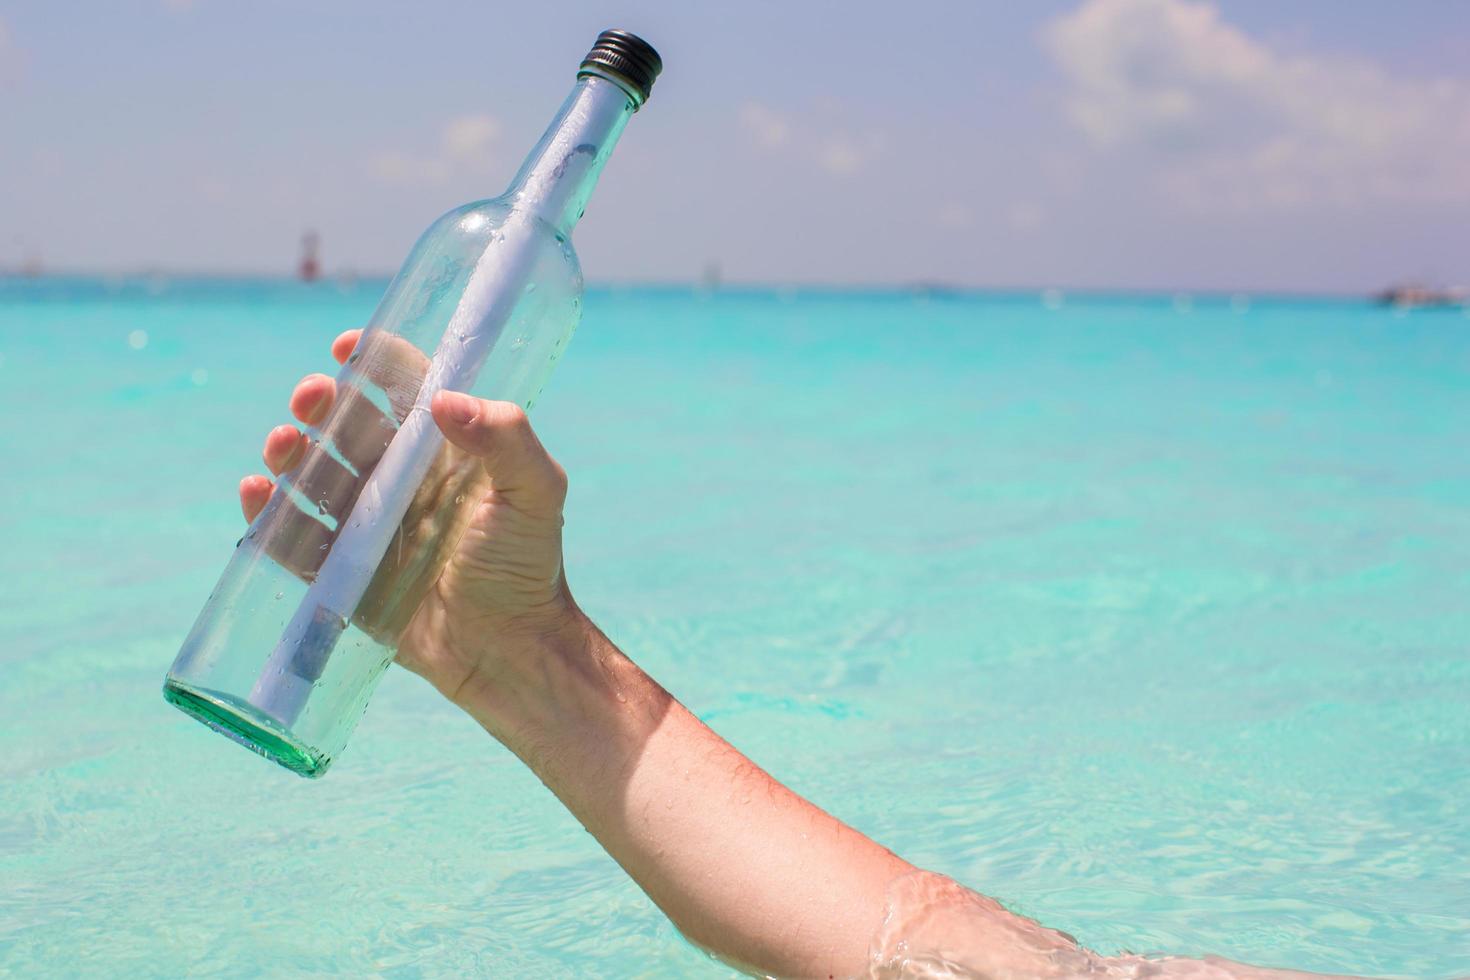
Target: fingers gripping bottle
[[295, 636]]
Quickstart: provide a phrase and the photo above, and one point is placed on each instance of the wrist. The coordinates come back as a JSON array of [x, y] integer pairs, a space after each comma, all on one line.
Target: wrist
[[478, 642], [517, 679], [564, 693]]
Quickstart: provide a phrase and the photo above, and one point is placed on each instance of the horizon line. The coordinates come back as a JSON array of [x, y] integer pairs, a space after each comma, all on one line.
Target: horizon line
[[346, 276]]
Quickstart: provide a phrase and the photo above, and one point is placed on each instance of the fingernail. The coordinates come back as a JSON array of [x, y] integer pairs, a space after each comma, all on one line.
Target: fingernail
[[461, 408]]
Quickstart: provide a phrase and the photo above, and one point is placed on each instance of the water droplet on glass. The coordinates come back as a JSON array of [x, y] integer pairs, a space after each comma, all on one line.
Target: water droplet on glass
[[459, 499], [280, 595]]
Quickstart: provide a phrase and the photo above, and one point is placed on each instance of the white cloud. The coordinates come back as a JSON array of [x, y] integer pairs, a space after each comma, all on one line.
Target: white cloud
[[395, 167], [953, 214], [840, 156], [469, 137], [1024, 216], [768, 127], [828, 148], [1232, 122], [465, 143]]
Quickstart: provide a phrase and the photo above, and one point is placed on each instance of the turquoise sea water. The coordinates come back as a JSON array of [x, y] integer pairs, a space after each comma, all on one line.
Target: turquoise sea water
[[1152, 622]]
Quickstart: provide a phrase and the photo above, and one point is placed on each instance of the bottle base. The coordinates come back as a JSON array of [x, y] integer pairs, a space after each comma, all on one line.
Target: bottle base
[[247, 725]]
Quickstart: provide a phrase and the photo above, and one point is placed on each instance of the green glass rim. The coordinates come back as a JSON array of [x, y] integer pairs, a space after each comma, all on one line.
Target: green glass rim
[[247, 725]]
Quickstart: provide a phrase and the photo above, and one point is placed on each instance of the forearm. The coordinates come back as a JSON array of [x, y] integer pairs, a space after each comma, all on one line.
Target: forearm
[[742, 865]]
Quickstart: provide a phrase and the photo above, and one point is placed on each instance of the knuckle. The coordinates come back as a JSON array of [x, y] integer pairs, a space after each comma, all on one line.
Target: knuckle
[[558, 478], [504, 417], [512, 416]]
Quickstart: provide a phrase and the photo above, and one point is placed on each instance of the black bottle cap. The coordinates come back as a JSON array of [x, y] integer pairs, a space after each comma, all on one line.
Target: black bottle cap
[[627, 57]]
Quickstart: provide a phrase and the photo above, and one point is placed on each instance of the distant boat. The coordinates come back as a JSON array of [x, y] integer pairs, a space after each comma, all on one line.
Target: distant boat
[[310, 269], [711, 279], [1413, 296]]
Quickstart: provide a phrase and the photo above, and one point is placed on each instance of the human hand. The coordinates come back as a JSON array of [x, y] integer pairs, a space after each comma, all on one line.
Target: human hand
[[467, 588]]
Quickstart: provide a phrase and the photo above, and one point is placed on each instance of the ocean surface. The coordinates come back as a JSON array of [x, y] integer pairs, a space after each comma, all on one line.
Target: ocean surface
[[1148, 616]]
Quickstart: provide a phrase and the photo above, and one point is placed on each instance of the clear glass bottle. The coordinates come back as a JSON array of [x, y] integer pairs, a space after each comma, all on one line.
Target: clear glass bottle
[[305, 618]]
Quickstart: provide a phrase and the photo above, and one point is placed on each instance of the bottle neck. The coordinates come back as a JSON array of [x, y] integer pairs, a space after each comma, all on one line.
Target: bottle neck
[[558, 177]]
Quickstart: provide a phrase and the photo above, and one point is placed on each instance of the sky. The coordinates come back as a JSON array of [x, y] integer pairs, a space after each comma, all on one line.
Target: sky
[[1314, 146]]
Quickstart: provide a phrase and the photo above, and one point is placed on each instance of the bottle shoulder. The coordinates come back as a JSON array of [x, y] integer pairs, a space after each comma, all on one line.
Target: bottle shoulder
[[470, 229]]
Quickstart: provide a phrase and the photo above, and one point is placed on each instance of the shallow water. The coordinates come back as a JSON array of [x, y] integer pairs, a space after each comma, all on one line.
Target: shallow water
[[1151, 623]]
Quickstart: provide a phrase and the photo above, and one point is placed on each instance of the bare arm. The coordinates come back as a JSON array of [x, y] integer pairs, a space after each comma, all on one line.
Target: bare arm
[[741, 864]]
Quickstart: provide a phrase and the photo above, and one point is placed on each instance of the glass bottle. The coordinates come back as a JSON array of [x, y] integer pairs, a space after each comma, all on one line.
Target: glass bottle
[[305, 618]]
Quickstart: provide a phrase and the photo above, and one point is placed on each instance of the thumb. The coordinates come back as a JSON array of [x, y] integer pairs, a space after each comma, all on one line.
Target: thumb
[[500, 434]]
